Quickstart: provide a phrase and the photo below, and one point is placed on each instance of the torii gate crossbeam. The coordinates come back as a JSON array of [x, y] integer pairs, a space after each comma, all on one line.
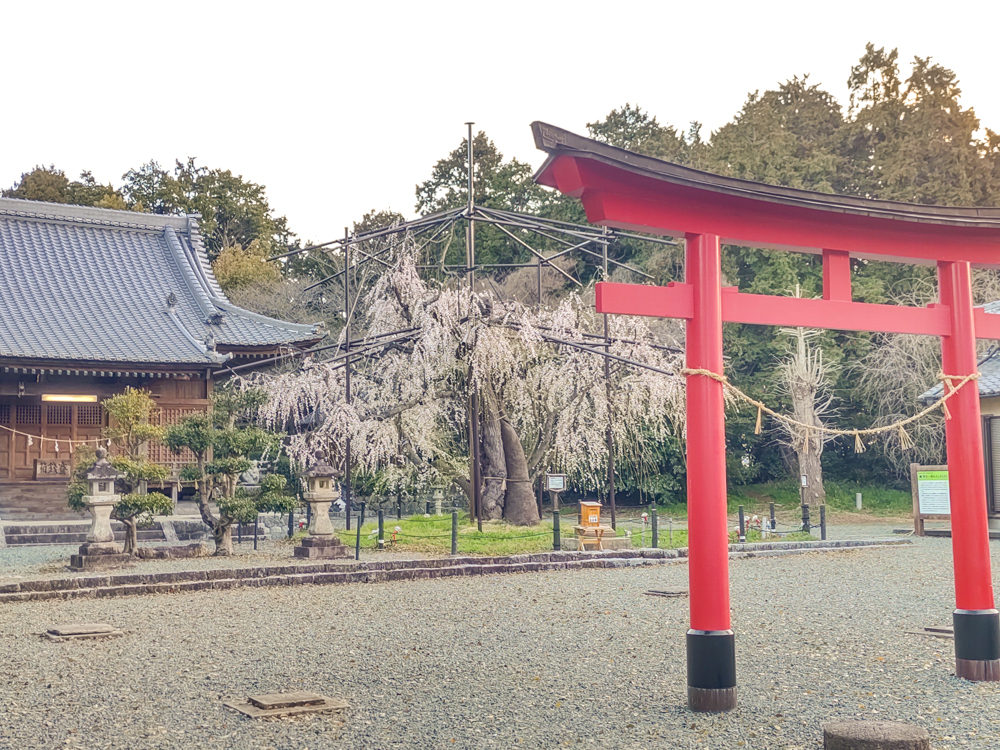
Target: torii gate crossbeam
[[626, 190]]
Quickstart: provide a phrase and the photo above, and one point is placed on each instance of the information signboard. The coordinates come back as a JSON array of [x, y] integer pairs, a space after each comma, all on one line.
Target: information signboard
[[932, 493]]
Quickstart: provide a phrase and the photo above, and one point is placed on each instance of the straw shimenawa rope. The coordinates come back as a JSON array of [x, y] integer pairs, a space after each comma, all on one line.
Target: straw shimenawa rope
[[950, 386]]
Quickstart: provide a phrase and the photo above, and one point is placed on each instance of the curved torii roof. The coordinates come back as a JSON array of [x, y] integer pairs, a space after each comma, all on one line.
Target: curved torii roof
[[623, 189]]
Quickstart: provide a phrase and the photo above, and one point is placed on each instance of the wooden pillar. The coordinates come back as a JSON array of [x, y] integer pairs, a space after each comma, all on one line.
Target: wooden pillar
[[711, 649], [977, 623]]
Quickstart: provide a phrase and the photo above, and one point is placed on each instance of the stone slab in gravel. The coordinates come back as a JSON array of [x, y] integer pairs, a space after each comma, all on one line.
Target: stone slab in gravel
[[544, 660], [874, 735]]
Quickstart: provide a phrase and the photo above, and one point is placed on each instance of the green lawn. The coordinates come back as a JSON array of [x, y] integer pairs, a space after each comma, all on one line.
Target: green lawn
[[432, 535], [877, 501]]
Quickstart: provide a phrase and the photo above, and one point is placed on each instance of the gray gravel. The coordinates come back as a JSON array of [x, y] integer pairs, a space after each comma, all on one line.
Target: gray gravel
[[536, 660]]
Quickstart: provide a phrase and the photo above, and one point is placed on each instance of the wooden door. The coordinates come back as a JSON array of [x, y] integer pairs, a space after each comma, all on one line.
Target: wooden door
[[6, 458], [28, 421]]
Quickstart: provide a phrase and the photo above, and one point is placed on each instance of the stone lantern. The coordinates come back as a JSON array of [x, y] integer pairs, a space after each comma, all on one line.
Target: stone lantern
[[100, 550], [323, 491]]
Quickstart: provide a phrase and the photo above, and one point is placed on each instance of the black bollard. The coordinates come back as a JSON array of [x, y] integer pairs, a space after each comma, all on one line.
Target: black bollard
[[381, 529], [291, 523], [556, 538], [399, 508], [743, 526], [655, 525], [239, 532], [774, 524], [805, 518], [822, 522], [256, 524], [357, 542], [454, 532]]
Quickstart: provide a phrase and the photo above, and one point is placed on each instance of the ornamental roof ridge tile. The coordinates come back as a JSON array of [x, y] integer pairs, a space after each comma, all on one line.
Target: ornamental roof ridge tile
[[111, 217]]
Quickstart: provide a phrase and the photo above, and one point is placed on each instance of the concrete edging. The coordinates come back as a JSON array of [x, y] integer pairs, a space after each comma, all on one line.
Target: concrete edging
[[126, 584]]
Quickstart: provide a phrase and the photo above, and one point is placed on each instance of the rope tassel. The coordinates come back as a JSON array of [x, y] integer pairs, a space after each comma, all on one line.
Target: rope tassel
[[859, 444], [756, 429], [905, 441]]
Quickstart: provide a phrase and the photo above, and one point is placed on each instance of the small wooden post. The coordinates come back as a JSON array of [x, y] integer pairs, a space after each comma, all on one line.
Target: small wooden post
[[805, 518], [381, 529], [454, 532], [655, 524], [743, 526], [822, 522], [556, 540], [774, 523]]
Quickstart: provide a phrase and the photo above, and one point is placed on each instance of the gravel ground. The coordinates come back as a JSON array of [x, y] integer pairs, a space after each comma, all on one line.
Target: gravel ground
[[541, 660]]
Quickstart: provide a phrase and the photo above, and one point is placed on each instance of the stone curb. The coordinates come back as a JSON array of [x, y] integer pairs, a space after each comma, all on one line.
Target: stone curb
[[389, 570]]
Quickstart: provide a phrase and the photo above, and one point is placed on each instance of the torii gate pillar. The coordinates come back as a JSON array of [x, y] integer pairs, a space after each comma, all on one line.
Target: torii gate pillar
[[711, 646], [976, 621]]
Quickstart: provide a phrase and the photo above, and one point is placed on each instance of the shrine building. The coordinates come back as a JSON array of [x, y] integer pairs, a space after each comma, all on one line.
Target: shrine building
[[94, 300]]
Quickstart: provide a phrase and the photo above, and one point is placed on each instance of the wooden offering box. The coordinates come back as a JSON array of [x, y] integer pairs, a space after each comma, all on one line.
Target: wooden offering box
[[590, 513]]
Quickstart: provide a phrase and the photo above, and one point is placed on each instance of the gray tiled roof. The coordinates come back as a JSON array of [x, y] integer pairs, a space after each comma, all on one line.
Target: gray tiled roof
[[989, 375], [85, 284]]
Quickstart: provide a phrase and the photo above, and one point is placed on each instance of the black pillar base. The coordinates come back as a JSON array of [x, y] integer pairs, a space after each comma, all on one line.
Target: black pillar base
[[977, 644], [711, 664]]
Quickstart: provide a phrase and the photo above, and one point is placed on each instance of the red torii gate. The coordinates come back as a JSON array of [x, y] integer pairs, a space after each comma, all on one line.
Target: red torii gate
[[622, 189]]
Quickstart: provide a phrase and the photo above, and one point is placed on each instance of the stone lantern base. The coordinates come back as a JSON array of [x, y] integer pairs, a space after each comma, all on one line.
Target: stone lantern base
[[324, 547], [99, 556], [100, 550]]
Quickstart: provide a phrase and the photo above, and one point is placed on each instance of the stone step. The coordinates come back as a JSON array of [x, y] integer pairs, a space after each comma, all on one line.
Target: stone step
[[24, 540], [23, 535], [374, 572]]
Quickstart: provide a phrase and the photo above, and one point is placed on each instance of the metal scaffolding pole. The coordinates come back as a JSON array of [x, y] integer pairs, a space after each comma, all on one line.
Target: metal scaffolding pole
[[470, 257], [607, 386], [347, 375]]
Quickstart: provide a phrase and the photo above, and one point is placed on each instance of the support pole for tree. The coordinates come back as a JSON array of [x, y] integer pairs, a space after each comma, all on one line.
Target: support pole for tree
[[470, 259], [976, 621], [347, 371], [607, 387], [711, 646]]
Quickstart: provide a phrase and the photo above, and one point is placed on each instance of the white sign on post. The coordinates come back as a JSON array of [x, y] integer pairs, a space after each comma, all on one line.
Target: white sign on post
[[555, 482], [933, 493]]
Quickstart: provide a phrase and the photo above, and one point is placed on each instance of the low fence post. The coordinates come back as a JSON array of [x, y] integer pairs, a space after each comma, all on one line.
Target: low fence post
[[291, 523], [381, 529], [774, 523], [556, 538], [805, 518], [256, 524], [239, 532], [743, 527], [399, 508], [454, 531], [822, 522], [357, 542], [655, 525]]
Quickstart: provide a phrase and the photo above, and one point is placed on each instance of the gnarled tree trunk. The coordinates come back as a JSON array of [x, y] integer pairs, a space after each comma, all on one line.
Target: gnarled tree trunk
[[494, 467], [519, 506], [223, 537], [131, 535]]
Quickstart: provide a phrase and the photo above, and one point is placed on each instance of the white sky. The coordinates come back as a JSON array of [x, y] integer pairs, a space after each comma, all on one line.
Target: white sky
[[342, 107]]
